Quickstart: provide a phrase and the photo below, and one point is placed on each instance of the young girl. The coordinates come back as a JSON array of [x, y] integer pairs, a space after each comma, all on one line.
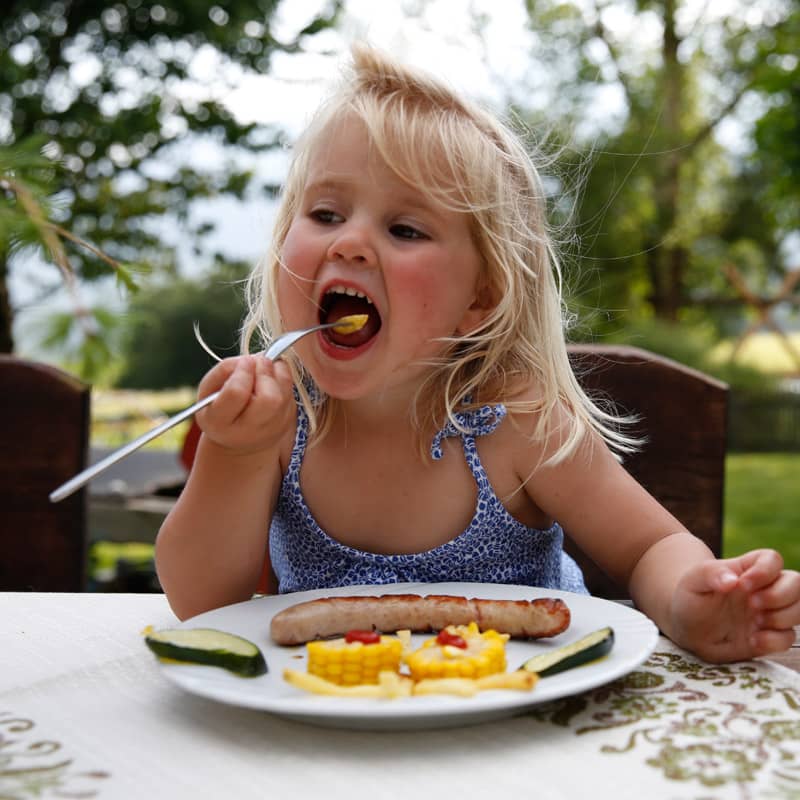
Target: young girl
[[448, 439]]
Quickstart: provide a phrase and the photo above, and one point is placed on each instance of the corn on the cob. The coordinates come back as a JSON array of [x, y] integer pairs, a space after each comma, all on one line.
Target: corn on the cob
[[350, 663], [484, 654]]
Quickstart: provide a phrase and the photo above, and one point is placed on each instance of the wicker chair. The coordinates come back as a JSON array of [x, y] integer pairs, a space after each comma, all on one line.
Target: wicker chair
[[683, 417]]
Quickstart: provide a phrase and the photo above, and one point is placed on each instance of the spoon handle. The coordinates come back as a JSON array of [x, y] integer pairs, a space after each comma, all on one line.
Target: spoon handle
[[281, 344], [82, 478]]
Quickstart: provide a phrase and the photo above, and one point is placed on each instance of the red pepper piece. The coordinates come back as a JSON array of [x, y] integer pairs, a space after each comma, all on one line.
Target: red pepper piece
[[365, 637], [452, 639]]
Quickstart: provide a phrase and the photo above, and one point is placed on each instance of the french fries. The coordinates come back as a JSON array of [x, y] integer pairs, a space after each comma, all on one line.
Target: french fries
[[392, 685], [389, 685], [467, 687]]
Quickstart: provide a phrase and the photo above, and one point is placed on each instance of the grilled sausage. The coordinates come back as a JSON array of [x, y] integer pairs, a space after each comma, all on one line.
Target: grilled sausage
[[334, 616]]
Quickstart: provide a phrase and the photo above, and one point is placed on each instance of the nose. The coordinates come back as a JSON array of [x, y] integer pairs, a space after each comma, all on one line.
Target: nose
[[352, 243]]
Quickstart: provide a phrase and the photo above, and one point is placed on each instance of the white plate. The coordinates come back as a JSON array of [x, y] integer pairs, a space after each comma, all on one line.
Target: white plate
[[635, 638]]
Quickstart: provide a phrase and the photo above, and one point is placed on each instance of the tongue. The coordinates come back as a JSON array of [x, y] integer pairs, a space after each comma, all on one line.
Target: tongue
[[344, 305]]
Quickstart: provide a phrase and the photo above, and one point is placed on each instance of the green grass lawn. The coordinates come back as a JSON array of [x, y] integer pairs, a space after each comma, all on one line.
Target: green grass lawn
[[762, 504], [118, 416], [764, 351]]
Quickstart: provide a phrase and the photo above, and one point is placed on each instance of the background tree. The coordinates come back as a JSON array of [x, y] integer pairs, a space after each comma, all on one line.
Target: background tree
[[777, 132], [110, 89], [26, 220], [649, 83], [158, 349]]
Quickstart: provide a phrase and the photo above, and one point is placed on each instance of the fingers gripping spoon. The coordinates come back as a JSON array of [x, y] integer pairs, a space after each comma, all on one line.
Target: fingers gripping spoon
[[348, 324]]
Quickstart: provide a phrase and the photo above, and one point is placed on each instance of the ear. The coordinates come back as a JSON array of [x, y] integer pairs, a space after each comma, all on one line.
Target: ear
[[481, 307]]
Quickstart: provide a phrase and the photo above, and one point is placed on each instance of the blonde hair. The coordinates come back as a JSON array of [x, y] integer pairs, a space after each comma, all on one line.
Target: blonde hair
[[469, 161]]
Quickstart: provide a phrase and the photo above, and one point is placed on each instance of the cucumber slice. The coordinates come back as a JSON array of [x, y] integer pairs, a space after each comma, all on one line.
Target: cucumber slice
[[207, 646], [591, 647]]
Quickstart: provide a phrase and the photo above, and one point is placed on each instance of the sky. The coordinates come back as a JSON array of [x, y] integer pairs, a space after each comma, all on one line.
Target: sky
[[442, 40]]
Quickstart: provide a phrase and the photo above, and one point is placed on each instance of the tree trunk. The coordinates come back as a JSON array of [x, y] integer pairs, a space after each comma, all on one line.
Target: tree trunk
[[669, 260], [6, 314]]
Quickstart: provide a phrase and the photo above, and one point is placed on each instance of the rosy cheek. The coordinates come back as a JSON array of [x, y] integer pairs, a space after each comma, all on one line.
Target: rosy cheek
[[426, 289], [293, 297], [289, 251], [298, 264]]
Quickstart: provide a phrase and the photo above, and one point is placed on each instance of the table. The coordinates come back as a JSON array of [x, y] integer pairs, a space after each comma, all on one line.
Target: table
[[85, 712]]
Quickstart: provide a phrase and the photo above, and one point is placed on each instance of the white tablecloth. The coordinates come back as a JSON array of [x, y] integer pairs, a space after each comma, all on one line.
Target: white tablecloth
[[85, 712]]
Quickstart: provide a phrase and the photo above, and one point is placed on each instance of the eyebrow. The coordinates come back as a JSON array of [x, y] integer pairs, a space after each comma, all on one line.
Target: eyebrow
[[328, 183], [411, 198]]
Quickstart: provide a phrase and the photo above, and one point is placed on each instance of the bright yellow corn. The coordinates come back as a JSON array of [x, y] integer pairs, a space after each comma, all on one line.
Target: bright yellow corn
[[485, 654], [352, 663]]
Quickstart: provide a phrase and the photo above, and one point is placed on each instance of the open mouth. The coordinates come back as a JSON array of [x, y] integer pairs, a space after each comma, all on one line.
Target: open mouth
[[342, 301]]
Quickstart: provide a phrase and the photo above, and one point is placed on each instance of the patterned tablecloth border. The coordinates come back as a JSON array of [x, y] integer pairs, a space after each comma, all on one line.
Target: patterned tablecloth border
[[721, 731]]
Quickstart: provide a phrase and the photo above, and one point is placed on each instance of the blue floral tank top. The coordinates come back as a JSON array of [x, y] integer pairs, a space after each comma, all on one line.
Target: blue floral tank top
[[495, 547]]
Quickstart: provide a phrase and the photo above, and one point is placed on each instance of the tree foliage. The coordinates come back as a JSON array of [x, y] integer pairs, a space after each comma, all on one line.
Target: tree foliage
[[26, 220], [777, 132], [159, 349], [112, 91], [665, 203]]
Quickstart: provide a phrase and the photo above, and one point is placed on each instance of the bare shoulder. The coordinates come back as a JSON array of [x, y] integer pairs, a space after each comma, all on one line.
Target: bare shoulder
[[537, 430], [570, 473]]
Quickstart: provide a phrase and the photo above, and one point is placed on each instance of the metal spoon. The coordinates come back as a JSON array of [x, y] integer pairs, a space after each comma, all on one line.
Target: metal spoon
[[348, 324]]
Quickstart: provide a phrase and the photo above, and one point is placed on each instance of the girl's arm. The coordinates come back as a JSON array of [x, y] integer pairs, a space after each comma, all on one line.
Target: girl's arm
[[212, 545], [722, 610]]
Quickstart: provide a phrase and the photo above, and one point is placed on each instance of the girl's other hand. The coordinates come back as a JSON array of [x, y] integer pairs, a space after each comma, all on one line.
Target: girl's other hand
[[254, 407], [737, 608]]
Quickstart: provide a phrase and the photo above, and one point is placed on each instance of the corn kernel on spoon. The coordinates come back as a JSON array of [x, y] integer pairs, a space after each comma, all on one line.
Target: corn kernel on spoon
[[348, 324]]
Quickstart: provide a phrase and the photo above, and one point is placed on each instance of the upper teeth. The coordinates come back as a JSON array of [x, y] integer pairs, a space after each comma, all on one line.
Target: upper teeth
[[349, 290]]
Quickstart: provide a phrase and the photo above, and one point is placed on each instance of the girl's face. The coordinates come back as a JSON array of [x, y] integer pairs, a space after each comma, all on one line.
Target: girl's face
[[364, 241]]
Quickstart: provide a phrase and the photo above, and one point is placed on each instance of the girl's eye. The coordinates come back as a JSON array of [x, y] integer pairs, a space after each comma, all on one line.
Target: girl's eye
[[325, 216], [402, 231]]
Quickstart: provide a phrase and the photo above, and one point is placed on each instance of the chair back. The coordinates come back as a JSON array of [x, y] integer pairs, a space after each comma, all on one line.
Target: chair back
[[44, 435], [682, 415]]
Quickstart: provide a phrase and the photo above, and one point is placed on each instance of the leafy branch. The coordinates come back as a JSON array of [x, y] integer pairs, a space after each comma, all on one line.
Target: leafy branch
[[26, 210]]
